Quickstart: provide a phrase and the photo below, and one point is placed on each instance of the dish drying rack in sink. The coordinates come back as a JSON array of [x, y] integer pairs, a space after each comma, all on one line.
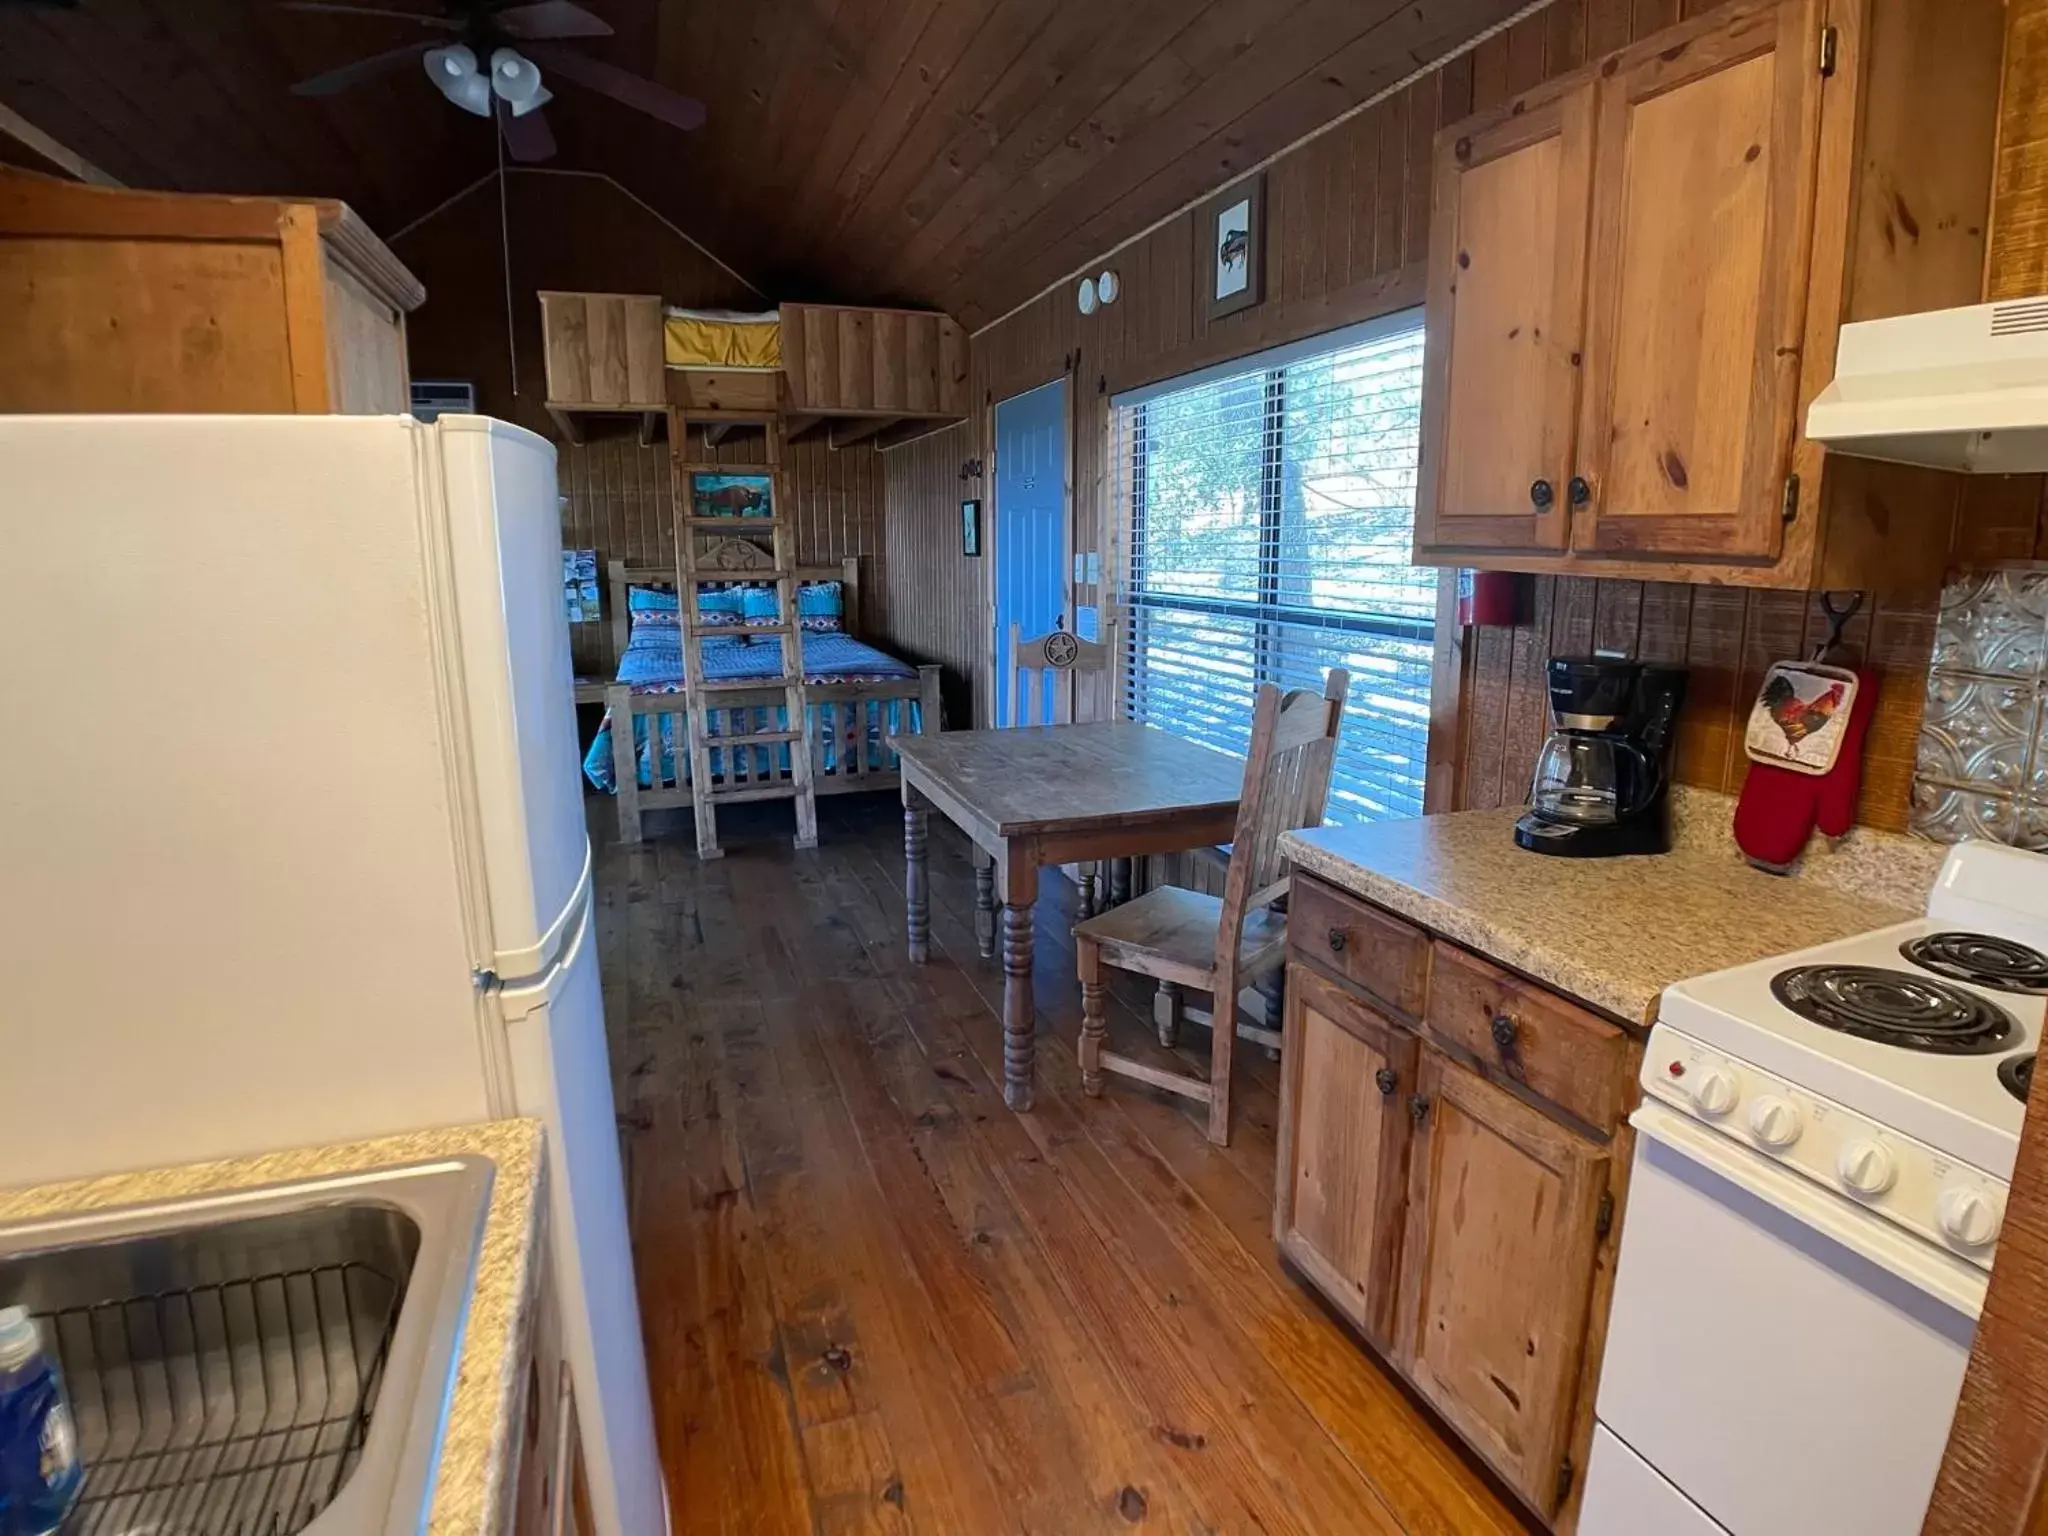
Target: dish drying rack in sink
[[229, 1409]]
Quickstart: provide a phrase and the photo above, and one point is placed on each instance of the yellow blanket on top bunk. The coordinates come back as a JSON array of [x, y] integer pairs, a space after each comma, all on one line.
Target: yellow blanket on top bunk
[[722, 338]]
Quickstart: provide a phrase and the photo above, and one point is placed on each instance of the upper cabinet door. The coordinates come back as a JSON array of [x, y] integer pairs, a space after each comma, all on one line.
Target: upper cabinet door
[[1702, 231], [1506, 303]]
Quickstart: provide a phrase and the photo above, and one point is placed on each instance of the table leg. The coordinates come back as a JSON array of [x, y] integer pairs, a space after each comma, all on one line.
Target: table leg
[[1119, 881], [1020, 1013], [916, 899], [985, 904]]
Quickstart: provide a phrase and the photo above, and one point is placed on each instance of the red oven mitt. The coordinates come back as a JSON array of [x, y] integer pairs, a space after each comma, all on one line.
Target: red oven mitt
[[1779, 809]]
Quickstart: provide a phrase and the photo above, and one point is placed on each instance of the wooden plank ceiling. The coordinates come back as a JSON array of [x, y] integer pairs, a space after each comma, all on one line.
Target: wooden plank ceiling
[[956, 153]]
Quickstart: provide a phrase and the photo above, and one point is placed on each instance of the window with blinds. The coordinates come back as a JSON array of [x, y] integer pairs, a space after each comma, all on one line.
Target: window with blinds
[[1270, 505]]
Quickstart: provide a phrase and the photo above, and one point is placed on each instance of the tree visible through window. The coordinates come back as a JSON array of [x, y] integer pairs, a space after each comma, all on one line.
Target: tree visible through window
[[1271, 513]]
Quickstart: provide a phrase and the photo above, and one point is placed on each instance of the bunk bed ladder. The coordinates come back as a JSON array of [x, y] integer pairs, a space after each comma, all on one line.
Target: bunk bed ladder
[[714, 551]]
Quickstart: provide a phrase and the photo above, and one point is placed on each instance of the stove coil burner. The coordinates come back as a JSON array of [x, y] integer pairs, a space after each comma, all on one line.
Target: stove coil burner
[[2017, 1073], [1982, 958], [1895, 1008]]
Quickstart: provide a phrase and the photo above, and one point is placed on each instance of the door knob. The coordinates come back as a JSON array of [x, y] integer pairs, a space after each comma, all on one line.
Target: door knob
[[1541, 495], [1579, 491], [1504, 1029], [1387, 1081], [1418, 1107]]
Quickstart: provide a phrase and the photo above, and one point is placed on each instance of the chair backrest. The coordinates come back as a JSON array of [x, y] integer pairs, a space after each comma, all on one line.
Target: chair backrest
[[1042, 672], [1286, 782]]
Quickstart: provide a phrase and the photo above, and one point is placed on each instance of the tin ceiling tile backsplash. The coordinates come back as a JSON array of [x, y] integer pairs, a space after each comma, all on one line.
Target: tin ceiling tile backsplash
[[1981, 767]]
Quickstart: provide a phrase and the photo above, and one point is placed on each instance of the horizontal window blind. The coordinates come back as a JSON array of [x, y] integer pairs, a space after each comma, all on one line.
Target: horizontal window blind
[[1270, 512]]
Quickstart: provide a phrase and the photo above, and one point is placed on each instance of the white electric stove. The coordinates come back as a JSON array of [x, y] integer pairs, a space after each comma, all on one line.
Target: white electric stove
[[1821, 1168]]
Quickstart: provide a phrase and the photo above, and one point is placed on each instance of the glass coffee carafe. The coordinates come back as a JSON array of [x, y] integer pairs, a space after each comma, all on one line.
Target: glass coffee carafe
[[1579, 778]]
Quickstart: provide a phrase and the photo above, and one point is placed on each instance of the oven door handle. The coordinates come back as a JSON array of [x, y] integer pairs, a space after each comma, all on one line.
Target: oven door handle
[[1941, 1275]]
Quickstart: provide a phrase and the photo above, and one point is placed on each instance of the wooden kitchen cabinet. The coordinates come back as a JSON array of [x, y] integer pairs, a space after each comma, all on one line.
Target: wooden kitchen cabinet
[[550, 1490], [1347, 1073], [1452, 1163], [1698, 275], [1506, 314], [1505, 1214], [124, 301], [1755, 176]]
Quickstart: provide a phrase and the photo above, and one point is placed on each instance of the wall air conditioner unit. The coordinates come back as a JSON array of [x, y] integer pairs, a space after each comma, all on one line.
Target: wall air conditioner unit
[[442, 397], [1962, 389]]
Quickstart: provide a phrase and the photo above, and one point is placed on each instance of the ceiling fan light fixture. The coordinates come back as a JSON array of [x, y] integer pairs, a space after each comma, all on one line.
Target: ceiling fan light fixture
[[454, 73], [517, 81]]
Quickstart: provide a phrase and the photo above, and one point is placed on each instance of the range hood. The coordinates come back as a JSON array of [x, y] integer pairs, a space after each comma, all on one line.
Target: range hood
[[1959, 389]]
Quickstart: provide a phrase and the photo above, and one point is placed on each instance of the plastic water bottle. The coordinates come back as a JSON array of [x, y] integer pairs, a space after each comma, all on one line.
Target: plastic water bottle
[[39, 1466]]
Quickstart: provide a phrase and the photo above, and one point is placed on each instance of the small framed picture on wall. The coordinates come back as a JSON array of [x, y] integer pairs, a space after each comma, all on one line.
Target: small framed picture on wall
[[970, 529], [1234, 222]]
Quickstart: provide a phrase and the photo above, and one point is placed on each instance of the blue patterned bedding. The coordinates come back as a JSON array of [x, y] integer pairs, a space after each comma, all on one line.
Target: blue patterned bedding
[[653, 664]]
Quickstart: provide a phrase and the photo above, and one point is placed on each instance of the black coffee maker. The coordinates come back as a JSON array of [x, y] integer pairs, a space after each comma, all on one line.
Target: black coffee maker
[[1603, 778]]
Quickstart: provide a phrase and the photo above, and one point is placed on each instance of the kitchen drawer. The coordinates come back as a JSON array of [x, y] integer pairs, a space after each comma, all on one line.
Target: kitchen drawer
[[1381, 953], [1526, 1035]]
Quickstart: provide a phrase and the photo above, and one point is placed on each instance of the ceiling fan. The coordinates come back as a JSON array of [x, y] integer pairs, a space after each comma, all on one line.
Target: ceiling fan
[[488, 60]]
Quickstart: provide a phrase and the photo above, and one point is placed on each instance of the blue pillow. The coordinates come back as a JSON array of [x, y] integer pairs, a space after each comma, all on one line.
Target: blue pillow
[[821, 606], [760, 605], [651, 600], [716, 609]]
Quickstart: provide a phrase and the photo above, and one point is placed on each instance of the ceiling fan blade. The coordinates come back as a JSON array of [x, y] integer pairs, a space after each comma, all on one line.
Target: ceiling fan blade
[[363, 69], [550, 18], [527, 138], [635, 91], [330, 7]]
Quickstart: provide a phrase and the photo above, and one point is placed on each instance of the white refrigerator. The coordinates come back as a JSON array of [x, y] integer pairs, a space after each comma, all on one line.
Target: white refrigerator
[[291, 834]]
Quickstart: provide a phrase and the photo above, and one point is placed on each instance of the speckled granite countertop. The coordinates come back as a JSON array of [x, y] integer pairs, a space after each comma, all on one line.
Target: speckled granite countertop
[[471, 1495], [1611, 932]]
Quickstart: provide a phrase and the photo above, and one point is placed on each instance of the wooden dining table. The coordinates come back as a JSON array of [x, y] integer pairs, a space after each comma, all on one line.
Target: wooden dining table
[[1030, 796]]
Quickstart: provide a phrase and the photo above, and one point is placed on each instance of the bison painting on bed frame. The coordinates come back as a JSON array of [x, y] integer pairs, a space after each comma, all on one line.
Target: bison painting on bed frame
[[731, 496]]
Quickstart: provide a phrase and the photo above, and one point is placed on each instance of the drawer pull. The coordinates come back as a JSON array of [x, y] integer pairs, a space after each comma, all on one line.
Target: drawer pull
[[1541, 495], [1337, 940], [1387, 1081], [1504, 1031], [1418, 1107]]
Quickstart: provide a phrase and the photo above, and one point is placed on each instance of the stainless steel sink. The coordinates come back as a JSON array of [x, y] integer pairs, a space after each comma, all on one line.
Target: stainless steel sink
[[260, 1363]]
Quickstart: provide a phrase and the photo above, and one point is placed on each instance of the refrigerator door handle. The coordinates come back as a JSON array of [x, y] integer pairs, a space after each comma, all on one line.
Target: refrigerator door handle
[[519, 967], [536, 965]]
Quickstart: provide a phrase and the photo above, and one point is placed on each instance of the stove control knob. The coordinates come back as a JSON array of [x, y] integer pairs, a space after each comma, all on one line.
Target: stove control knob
[[1968, 1216], [1774, 1121], [1714, 1091], [1867, 1167]]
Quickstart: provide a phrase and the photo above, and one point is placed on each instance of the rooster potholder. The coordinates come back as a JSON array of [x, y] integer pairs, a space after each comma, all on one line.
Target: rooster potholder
[[1800, 716]]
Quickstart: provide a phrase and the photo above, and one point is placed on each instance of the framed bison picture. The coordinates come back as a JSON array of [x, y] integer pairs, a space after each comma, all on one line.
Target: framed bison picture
[[1235, 223], [731, 495]]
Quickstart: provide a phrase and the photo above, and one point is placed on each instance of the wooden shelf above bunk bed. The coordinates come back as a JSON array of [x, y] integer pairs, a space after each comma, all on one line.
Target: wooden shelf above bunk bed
[[850, 375]]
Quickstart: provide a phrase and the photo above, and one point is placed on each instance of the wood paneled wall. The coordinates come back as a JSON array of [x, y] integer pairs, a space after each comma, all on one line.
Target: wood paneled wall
[[934, 604], [1347, 231], [584, 234]]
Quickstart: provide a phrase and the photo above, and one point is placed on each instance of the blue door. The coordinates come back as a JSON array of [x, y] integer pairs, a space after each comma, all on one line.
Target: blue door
[[1030, 545]]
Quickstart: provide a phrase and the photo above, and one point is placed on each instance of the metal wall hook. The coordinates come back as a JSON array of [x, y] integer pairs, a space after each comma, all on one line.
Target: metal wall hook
[[1838, 622]]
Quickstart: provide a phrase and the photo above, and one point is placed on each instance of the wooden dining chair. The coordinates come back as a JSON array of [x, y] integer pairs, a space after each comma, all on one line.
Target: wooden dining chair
[[1218, 944], [1042, 681]]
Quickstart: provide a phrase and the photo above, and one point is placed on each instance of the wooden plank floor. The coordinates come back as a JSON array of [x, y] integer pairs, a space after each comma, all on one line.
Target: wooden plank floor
[[877, 1301]]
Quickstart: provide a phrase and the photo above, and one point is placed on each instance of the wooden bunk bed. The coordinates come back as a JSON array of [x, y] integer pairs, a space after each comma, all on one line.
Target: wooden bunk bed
[[846, 734], [857, 375]]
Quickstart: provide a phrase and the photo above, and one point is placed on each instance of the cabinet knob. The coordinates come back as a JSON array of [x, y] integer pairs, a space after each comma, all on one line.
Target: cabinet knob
[[1387, 1081], [1579, 491], [1504, 1031], [1418, 1107], [1336, 938], [1541, 495]]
